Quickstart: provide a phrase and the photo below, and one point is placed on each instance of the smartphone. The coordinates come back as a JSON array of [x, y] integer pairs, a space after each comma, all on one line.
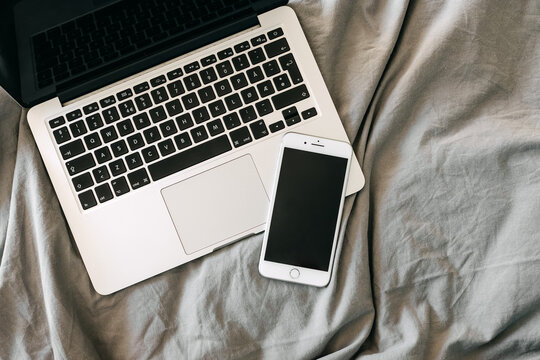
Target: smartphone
[[305, 210]]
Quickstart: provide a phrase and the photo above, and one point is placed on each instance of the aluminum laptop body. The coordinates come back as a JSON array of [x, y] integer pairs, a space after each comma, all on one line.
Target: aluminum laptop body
[[172, 207]]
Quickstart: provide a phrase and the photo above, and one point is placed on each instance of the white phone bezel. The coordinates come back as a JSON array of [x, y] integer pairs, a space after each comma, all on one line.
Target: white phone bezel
[[281, 271]]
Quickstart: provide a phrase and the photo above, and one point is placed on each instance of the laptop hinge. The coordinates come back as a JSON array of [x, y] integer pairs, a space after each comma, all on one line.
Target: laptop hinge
[[156, 55]]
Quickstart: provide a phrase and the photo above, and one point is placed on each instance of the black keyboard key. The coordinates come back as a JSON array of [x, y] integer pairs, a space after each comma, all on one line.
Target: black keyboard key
[[231, 120], [208, 60], [120, 186], [248, 114], [208, 75], [289, 112], [176, 73], [233, 102], [290, 97], [258, 128], [152, 135], [119, 148], [189, 157], [224, 69], [133, 160], [239, 81], [190, 101], [271, 68], [191, 67], [108, 101], [200, 114], [109, 134], [150, 154], [101, 174], [94, 122], [61, 135], [90, 108], [141, 121], [157, 114], [158, 81], [217, 108], [122, 95], [110, 115], [57, 122], [135, 141], [275, 33], [80, 164], [103, 155], [168, 128], [176, 88], [117, 167], [184, 121], [72, 149], [240, 136], [264, 107], [182, 141], [138, 178], [277, 47], [87, 199], [199, 134], [78, 128], [173, 107], [104, 193], [215, 127], [159, 95], [278, 125], [192, 82], [206, 94], [256, 56], [241, 47], [127, 108], [292, 120], [75, 114], [92, 141], [125, 127], [266, 88], [166, 147], [143, 102], [255, 74], [240, 62], [309, 113], [223, 54], [223, 87], [282, 82], [289, 64], [261, 39], [249, 95], [139, 88]]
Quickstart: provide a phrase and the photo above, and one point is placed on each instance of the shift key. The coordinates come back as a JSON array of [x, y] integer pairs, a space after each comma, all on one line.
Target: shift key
[[290, 97]]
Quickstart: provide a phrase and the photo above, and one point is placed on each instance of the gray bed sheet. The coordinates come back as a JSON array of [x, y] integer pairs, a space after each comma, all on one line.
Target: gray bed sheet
[[440, 254]]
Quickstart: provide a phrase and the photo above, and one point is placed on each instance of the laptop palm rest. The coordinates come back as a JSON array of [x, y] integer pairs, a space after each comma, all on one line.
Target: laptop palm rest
[[219, 204]]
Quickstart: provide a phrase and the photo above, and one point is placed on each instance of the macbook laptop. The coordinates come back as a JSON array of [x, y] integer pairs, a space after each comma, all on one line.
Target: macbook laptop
[[159, 122]]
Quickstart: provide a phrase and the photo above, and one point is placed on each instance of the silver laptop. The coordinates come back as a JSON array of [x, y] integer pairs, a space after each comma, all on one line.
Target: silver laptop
[[159, 123]]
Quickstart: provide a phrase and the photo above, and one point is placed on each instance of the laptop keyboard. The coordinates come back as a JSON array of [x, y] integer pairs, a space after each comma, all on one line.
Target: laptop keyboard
[[180, 118]]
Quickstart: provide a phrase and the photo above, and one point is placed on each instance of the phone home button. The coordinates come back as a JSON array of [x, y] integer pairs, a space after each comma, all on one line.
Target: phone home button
[[294, 273]]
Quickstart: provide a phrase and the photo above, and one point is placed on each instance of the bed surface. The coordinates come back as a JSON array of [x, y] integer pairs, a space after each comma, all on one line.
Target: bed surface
[[440, 257]]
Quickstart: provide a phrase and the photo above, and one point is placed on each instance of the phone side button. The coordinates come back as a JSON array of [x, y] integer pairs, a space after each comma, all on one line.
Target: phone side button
[[294, 273]]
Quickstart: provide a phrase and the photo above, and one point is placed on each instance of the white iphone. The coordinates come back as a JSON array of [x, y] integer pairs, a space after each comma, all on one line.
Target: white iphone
[[305, 211]]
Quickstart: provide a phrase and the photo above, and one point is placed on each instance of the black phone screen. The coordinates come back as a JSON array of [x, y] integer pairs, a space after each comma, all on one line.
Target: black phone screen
[[306, 208]]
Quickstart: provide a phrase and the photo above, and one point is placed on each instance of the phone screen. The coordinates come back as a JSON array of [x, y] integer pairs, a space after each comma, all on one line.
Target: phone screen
[[306, 208]]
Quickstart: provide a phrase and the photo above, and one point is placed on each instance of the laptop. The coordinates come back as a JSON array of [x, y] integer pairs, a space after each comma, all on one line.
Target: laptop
[[159, 122]]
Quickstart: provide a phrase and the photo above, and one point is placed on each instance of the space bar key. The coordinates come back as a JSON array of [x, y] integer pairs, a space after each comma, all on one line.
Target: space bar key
[[189, 157]]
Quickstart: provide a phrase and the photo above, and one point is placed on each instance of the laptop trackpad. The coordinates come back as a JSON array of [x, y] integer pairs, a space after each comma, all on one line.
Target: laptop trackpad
[[218, 204]]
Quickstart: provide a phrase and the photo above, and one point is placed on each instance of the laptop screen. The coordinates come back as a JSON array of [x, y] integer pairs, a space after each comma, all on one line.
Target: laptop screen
[[68, 48]]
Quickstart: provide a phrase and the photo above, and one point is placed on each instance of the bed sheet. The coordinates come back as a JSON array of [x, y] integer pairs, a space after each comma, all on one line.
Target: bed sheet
[[440, 252]]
